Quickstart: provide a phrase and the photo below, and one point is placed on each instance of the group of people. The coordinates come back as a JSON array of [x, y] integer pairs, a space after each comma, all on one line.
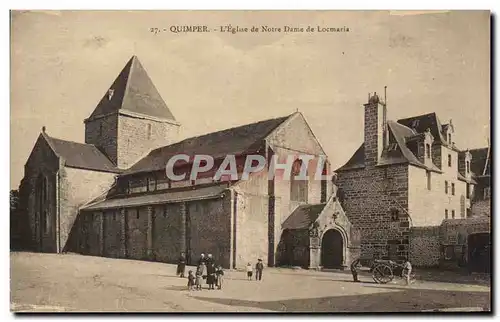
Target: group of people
[[213, 274], [206, 269]]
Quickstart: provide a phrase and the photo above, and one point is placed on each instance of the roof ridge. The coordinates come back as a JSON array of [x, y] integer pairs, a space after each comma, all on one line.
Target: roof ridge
[[220, 131]]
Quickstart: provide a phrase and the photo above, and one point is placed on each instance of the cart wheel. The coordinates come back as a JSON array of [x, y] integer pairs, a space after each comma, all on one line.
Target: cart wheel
[[382, 274]]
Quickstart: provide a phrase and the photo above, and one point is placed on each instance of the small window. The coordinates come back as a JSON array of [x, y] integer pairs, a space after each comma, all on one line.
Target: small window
[[449, 138], [415, 123], [394, 215], [429, 180], [446, 187], [467, 166], [428, 150], [467, 193], [150, 131], [137, 214], [165, 212], [453, 189], [453, 214], [114, 215], [446, 214], [449, 160], [151, 184]]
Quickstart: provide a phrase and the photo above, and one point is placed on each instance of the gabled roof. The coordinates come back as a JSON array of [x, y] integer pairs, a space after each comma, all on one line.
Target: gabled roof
[[79, 155], [303, 216], [478, 161], [133, 91], [397, 151], [237, 141], [423, 122]]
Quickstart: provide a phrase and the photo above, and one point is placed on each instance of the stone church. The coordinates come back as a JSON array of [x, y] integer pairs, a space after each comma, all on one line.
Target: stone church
[[110, 195]]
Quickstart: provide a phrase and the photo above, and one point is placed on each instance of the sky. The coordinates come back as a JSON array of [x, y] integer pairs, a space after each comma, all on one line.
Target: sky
[[62, 63]]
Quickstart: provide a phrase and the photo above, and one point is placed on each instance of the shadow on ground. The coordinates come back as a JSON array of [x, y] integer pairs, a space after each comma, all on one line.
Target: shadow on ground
[[392, 301], [429, 275]]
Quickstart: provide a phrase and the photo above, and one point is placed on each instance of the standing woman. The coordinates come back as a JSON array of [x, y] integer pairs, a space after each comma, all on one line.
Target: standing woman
[[211, 274], [181, 265]]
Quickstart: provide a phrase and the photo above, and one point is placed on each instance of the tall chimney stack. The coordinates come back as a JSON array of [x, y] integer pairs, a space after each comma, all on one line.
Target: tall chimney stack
[[374, 130]]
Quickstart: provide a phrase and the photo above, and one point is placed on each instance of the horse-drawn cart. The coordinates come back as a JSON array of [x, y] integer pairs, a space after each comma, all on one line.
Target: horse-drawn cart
[[383, 271]]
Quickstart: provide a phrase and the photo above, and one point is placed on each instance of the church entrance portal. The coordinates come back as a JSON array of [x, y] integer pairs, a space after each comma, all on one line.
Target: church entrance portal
[[332, 249]]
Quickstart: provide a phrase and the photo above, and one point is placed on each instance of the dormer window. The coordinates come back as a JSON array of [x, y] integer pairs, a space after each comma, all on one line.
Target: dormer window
[[428, 150], [467, 166], [449, 138], [449, 160], [110, 94]]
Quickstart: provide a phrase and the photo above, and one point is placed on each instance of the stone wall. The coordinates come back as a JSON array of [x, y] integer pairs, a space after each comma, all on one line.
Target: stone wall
[[425, 246], [481, 208], [427, 206], [102, 132], [42, 163], [77, 187], [375, 199], [138, 136], [160, 232]]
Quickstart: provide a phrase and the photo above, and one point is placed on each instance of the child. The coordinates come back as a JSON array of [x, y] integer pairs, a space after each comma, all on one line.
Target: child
[[219, 273], [249, 271], [191, 281], [200, 271]]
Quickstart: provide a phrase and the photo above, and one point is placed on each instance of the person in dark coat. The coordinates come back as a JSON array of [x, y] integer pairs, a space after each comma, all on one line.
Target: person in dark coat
[[181, 265], [211, 274], [259, 267], [354, 270]]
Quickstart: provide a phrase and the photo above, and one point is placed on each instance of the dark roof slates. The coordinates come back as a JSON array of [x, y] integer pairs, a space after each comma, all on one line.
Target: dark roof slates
[[237, 140], [80, 155], [303, 216]]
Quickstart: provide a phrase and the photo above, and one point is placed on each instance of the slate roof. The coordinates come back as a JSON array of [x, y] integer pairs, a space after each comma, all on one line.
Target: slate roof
[[133, 91], [173, 195], [479, 160], [423, 122], [303, 216], [80, 155], [401, 153], [237, 141]]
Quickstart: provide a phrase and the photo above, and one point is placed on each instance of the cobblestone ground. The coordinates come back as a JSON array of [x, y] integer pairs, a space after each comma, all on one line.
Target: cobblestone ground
[[55, 283]]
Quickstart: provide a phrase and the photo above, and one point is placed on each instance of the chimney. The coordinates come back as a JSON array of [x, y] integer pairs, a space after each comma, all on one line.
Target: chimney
[[375, 123]]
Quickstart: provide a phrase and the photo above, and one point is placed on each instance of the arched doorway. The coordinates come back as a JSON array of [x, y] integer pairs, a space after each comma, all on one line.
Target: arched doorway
[[332, 249], [479, 246]]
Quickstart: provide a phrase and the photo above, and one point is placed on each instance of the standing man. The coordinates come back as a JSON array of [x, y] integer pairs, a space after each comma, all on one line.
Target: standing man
[[181, 265], [354, 269], [258, 270]]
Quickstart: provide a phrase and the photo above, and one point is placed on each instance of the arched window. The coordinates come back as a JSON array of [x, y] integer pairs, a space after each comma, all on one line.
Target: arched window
[[298, 186]]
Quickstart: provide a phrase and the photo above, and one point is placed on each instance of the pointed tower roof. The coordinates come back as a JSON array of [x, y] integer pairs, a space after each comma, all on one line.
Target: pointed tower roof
[[133, 91]]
